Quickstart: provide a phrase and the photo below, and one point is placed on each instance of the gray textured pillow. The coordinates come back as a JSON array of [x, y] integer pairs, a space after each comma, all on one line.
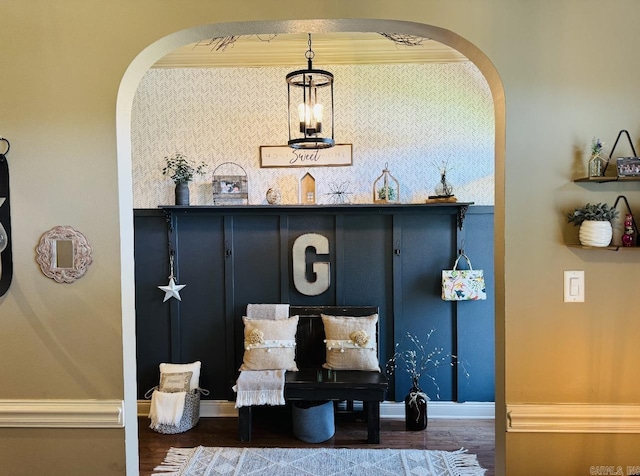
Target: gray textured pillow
[[270, 344], [351, 342]]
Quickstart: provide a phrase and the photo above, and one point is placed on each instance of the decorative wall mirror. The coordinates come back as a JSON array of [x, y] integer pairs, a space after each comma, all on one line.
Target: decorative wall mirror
[[64, 254]]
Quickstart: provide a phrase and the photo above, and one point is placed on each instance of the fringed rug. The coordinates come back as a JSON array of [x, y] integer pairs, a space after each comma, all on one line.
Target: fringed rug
[[206, 461]]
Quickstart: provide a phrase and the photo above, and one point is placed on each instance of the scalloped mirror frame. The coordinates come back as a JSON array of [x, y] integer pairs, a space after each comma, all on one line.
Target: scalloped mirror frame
[[47, 254]]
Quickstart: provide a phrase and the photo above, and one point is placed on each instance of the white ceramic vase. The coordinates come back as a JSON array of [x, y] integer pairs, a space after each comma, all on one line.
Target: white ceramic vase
[[595, 233]]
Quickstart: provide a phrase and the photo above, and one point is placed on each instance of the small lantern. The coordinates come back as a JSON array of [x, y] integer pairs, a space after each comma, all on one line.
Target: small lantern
[[386, 189]]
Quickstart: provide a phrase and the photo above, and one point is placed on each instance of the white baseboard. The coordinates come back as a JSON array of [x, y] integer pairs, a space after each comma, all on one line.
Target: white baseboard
[[61, 414], [390, 410], [449, 410], [572, 418], [208, 408]]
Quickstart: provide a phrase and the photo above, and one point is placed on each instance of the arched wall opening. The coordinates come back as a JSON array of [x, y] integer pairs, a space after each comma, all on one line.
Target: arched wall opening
[[154, 52]]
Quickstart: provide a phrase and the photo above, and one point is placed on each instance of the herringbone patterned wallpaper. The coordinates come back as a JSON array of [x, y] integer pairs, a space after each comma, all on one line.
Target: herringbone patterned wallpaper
[[412, 117]]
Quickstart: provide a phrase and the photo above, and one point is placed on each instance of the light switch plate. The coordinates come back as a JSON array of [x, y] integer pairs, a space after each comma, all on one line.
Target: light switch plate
[[574, 286]]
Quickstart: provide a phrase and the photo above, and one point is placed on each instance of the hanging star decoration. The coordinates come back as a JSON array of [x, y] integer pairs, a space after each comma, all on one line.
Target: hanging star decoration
[[171, 290]]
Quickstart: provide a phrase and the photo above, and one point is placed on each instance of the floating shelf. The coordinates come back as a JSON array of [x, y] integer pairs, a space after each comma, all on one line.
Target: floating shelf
[[609, 248], [607, 179], [461, 208]]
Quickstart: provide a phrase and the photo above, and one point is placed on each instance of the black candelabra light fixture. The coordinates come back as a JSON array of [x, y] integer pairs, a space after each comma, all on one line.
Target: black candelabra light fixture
[[6, 263], [310, 106]]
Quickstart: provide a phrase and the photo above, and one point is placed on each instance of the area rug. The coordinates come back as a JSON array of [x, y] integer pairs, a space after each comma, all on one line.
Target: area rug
[[207, 461]]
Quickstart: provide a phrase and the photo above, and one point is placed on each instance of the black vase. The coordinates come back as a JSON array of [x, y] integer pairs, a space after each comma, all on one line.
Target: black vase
[[415, 409], [182, 193]]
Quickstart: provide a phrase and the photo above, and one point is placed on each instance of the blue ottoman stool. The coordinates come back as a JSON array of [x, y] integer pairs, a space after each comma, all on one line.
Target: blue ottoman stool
[[313, 422]]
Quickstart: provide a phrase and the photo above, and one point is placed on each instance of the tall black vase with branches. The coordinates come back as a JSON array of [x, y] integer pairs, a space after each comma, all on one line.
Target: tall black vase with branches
[[412, 357], [181, 171]]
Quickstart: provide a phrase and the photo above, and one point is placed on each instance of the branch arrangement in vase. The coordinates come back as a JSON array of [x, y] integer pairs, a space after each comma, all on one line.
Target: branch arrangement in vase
[[412, 356], [181, 169]]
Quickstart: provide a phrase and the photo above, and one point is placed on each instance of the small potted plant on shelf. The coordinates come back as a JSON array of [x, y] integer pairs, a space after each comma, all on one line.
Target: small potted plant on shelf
[[412, 357], [181, 171], [594, 221]]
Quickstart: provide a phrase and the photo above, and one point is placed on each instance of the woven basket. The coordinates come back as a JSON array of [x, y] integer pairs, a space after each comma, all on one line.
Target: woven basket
[[190, 415]]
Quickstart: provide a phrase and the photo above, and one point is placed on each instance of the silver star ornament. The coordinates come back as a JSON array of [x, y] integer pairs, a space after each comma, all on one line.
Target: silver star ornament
[[172, 290]]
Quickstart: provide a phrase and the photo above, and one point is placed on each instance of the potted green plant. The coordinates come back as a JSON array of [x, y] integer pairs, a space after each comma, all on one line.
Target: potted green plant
[[418, 362], [181, 170], [382, 194], [594, 221]]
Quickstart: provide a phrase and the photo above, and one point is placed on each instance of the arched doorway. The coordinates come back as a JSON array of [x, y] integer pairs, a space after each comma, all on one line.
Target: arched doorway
[[160, 48]]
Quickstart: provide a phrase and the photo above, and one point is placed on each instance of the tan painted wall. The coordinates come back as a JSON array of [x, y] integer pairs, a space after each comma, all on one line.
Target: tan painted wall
[[569, 74]]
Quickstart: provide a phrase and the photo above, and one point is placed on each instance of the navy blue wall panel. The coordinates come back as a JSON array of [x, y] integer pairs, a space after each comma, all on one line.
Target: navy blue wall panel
[[153, 326], [475, 320], [427, 247], [199, 265], [365, 268]]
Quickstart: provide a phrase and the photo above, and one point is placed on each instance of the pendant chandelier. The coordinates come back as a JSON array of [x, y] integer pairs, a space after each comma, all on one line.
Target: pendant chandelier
[[310, 106]]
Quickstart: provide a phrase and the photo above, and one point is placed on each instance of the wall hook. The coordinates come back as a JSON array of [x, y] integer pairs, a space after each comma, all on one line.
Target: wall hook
[[461, 249]]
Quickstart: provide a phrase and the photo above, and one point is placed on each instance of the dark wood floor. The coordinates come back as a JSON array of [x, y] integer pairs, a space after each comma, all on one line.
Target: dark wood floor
[[273, 429]]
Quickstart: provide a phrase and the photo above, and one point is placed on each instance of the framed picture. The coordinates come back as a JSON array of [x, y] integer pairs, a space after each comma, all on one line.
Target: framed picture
[[230, 184], [628, 166], [285, 156], [230, 189]]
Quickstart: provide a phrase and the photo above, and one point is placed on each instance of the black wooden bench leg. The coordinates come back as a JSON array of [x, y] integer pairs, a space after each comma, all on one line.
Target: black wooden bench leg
[[373, 421], [244, 423]]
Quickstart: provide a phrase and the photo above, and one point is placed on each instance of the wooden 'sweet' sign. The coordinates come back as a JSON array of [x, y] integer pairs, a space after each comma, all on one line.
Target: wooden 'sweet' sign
[[285, 156]]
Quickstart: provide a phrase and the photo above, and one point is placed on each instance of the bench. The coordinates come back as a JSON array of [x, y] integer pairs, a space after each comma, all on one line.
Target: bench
[[312, 382]]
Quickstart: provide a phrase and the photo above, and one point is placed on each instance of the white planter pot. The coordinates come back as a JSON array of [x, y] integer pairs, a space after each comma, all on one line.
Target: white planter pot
[[595, 233]]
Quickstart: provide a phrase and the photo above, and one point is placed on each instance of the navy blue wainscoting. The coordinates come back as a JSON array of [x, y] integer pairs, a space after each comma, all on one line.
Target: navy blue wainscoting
[[386, 256]]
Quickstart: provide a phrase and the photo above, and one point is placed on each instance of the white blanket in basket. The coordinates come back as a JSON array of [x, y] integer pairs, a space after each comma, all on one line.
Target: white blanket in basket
[[166, 408]]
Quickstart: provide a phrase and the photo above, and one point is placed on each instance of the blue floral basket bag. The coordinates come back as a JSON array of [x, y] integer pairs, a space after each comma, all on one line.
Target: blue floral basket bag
[[463, 284]]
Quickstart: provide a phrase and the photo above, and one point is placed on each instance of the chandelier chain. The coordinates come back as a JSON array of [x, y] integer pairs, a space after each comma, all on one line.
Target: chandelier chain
[[310, 53]]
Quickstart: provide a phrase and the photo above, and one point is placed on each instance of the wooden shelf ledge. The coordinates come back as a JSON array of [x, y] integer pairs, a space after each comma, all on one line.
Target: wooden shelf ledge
[[607, 179], [609, 248]]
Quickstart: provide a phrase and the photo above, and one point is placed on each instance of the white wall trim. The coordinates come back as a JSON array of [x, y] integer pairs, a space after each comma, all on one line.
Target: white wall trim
[[61, 414], [390, 410], [573, 418], [443, 410], [208, 408]]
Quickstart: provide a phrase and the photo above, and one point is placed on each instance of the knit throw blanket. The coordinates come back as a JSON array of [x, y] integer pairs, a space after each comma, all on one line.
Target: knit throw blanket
[[203, 461], [260, 387], [166, 408]]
